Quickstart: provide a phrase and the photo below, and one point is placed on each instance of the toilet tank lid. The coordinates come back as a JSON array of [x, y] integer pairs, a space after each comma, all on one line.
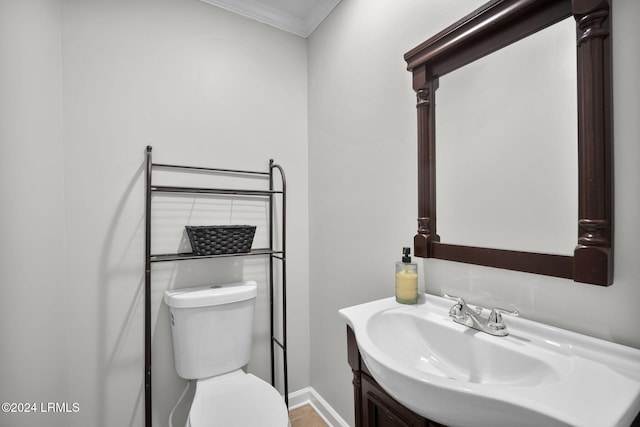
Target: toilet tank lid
[[204, 296]]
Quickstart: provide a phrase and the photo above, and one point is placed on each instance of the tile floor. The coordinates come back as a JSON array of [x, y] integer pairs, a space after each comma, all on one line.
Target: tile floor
[[305, 416]]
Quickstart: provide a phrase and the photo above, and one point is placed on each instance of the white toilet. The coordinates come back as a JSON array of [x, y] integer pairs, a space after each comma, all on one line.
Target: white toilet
[[211, 328]]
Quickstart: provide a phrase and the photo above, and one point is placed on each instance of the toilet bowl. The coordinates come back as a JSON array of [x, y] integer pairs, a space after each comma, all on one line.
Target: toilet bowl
[[211, 330], [237, 399]]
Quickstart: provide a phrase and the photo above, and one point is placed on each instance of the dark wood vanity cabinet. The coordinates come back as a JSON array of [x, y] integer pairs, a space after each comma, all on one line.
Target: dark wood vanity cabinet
[[381, 410], [373, 406]]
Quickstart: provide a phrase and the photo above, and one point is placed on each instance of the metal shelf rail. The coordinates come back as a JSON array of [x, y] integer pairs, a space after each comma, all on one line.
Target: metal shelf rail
[[273, 254]]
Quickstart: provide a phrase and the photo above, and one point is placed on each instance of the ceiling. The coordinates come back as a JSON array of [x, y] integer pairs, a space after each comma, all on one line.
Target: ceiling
[[299, 17]]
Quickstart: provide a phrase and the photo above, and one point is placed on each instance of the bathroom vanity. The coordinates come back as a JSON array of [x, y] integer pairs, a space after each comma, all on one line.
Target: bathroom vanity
[[373, 406], [417, 365]]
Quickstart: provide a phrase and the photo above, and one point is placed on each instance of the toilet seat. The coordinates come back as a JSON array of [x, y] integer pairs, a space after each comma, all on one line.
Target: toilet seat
[[237, 399]]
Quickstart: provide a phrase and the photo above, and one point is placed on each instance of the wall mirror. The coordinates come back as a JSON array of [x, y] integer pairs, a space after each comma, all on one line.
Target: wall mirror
[[519, 109], [563, 186]]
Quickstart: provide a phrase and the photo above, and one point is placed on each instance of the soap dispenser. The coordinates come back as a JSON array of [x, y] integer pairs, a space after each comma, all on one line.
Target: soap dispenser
[[406, 279]]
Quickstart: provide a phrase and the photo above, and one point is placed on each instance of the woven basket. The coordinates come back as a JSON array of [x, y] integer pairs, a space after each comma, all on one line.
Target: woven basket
[[220, 239]]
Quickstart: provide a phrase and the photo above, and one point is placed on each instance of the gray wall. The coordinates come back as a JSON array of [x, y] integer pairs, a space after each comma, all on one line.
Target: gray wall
[[204, 87], [362, 128], [33, 302]]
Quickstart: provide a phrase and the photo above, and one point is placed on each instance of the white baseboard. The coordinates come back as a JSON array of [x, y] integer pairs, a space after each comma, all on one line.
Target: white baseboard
[[308, 396]]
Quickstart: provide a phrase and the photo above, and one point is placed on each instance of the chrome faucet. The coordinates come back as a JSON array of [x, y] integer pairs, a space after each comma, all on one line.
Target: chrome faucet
[[472, 317]]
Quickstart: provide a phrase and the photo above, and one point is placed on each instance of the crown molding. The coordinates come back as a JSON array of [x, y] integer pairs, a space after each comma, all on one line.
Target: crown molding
[[281, 19]]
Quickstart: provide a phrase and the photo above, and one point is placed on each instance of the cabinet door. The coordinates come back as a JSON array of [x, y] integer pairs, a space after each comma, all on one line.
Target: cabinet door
[[381, 410]]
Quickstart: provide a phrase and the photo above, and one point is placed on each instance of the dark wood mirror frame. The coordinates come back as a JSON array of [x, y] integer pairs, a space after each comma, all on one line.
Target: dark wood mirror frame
[[488, 29]]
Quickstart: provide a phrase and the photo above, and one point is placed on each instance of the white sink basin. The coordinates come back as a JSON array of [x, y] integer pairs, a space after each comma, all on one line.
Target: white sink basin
[[536, 376]]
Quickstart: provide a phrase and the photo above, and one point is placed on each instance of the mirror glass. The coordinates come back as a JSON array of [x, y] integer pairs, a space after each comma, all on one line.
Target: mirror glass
[[506, 126]]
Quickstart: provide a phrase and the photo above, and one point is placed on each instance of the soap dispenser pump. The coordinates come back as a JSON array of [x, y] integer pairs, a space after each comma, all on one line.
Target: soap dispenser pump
[[406, 279]]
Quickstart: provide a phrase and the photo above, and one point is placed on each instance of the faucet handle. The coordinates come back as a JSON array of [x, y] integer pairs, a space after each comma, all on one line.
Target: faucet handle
[[495, 317], [457, 299], [461, 303], [456, 309]]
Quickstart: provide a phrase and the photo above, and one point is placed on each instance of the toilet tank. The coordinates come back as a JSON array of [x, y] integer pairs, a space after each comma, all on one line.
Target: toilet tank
[[211, 327]]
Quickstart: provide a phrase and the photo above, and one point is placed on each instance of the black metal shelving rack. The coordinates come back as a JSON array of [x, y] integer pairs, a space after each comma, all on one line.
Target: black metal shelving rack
[[271, 252]]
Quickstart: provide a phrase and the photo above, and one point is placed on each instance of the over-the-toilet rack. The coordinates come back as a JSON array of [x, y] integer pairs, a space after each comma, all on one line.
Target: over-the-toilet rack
[[274, 254]]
